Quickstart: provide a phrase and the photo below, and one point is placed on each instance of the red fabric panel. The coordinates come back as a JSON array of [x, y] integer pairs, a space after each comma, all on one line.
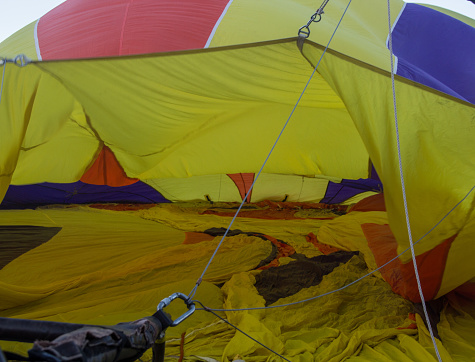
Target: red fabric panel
[[371, 203], [91, 28], [106, 170], [401, 277], [243, 182]]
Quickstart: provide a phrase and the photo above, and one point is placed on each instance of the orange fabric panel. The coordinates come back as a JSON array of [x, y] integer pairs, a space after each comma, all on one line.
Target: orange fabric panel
[[324, 248], [269, 214], [283, 250], [106, 170], [243, 182], [401, 277], [192, 237], [123, 207], [272, 210], [411, 317], [371, 203], [301, 205], [467, 290]]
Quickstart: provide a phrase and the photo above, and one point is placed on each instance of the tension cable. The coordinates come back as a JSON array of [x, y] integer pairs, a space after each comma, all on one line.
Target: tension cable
[[247, 335], [349, 284], [21, 60], [200, 279], [304, 31], [401, 174]]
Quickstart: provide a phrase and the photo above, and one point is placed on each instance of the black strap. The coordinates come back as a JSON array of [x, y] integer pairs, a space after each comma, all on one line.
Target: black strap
[[164, 318]]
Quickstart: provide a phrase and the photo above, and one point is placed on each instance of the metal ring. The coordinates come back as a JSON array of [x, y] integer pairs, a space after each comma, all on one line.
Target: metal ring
[[315, 20], [304, 33], [21, 60]]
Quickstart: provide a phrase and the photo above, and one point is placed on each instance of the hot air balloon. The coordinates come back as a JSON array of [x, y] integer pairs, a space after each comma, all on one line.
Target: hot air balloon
[[133, 130]]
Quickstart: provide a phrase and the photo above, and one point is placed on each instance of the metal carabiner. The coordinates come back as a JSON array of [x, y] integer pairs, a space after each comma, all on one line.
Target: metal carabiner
[[166, 302]]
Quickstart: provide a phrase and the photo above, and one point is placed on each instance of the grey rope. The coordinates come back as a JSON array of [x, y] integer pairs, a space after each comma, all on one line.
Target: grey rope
[[350, 284], [200, 279], [20, 60], [3, 77], [304, 31], [247, 335], [406, 210]]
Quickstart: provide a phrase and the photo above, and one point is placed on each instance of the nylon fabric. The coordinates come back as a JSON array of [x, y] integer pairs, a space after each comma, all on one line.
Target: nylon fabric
[[34, 98], [196, 99], [21, 42], [274, 187], [110, 274], [423, 152], [182, 121], [263, 22], [332, 326], [346, 233]]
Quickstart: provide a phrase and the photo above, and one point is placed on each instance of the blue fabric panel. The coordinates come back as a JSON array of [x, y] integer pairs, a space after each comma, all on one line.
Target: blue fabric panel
[[436, 50], [29, 196], [338, 192]]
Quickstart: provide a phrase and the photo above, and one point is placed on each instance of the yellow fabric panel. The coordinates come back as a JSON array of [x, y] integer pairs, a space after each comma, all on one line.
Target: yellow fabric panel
[[415, 349], [345, 233], [386, 351], [457, 327], [290, 188], [217, 187], [220, 188], [460, 258], [21, 42], [106, 267], [330, 328], [189, 217], [191, 115], [432, 165], [362, 33], [359, 197], [42, 122], [425, 340]]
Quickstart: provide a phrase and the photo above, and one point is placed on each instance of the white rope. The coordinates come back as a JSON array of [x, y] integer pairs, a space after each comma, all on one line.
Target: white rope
[[406, 211], [353, 282], [198, 282]]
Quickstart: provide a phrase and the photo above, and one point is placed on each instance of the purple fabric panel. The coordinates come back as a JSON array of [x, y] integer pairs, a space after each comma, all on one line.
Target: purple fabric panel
[[374, 175], [436, 50], [28, 196], [409, 71], [339, 192]]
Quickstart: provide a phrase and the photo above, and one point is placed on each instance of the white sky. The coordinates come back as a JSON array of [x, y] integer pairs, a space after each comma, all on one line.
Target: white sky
[[15, 14]]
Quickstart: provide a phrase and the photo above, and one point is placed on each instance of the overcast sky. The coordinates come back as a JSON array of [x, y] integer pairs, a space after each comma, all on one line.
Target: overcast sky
[[15, 14]]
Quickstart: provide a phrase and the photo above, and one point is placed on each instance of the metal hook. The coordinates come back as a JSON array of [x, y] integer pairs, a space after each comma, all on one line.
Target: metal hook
[[190, 305]]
